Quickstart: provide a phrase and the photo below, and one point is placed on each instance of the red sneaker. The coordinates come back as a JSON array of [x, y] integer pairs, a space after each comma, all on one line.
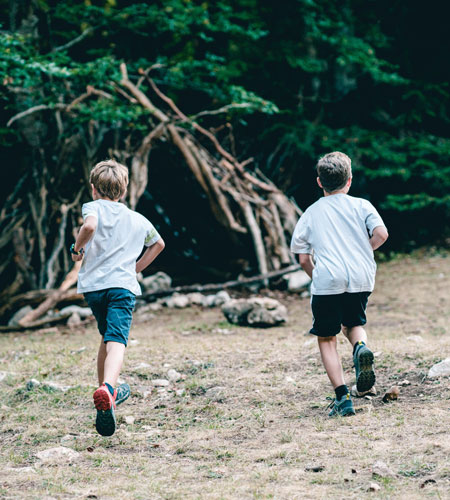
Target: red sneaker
[[105, 403]]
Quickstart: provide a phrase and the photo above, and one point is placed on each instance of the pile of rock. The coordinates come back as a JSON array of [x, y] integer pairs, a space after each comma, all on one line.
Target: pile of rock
[[256, 311]]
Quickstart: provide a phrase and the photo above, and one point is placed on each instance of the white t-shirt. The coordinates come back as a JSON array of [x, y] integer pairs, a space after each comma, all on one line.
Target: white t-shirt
[[337, 229], [110, 255]]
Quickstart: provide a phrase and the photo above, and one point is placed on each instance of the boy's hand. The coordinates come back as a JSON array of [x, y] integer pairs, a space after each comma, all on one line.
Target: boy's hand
[[76, 258]]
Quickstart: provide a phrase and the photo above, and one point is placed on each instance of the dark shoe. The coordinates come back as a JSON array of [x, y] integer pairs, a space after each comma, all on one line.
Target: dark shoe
[[105, 405], [123, 393], [365, 375], [342, 407]]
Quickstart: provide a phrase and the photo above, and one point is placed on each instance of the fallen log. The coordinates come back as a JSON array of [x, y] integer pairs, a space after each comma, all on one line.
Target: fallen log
[[213, 287]]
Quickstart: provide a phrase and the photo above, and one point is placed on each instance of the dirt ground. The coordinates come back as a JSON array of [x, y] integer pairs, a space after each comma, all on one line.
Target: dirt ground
[[248, 418]]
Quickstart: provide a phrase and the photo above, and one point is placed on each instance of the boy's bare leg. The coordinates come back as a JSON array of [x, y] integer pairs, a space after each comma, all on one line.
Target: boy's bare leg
[[101, 356], [355, 334], [331, 360], [115, 352]]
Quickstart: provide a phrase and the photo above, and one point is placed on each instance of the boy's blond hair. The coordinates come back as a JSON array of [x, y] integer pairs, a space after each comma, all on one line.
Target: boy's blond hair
[[334, 170], [110, 179]]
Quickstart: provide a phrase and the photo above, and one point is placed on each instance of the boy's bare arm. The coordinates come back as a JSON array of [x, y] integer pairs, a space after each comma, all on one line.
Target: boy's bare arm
[[379, 236], [150, 255], [307, 263], [86, 232]]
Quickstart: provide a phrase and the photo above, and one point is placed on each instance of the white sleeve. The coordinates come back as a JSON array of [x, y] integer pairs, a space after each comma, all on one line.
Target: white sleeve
[[151, 234], [89, 209], [300, 242], [371, 217]]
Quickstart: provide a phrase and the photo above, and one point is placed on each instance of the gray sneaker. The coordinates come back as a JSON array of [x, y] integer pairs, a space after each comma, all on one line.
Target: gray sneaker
[[363, 361], [123, 393], [342, 407]]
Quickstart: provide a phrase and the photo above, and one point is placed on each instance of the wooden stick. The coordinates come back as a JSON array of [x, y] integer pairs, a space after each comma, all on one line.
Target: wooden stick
[[212, 287]]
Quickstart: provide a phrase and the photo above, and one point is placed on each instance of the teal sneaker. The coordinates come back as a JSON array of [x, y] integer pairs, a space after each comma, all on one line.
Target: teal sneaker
[[123, 393], [105, 404], [342, 407], [363, 361]]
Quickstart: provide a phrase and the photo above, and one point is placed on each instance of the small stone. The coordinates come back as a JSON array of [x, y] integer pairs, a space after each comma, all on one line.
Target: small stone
[[18, 315], [415, 338], [82, 312], [380, 469], [441, 369], [160, 382], [377, 354], [32, 384], [392, 394], [290, 380], [305, 295], [58, 455], [404, 383], [129, 419], [74, 320], [133, 342], [374, 487], [315, 468], [55, 387], [210, 300], [155, 306], [223, 331], [68, 439], [156, 282], [221, 298], [364, 394], [79, 351], [177, 301], [141, 366], [196, 299], [173, 375], [216, 394], [297, 281], [3, 375], [180, 392]]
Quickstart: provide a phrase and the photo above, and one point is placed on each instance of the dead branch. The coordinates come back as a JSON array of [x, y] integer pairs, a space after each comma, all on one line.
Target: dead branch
[[213, 287], [54, 298]]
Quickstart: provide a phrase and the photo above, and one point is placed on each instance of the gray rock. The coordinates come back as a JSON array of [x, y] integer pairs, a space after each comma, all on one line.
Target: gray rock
[[32, 384], [160, 382], [177, 301], [155, 306], [221, 297], [380, 469], [298, 281], [196, 299], [74, 320], [156, 282], [17, 316], [173, 375], [58, 455], [55, 387], [216, 394], [441, 369], [256, 311], [210, 300], [83, 312], [236, 311]]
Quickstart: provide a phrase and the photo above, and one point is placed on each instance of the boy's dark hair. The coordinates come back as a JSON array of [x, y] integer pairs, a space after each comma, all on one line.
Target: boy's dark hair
[[334, 170]]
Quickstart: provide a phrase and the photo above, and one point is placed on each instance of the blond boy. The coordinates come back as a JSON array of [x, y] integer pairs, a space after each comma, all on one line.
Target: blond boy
[[109, 243], [335, 239]]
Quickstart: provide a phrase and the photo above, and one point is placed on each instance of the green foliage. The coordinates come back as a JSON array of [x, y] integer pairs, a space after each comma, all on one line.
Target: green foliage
[[314, 75]]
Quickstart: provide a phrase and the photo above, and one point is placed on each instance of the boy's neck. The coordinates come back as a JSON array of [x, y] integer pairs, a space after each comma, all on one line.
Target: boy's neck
[[339, 191], [95, 198]]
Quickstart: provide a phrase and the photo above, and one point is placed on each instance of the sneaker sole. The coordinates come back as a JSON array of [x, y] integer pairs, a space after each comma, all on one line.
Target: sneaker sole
[[366, 378], [105, 422]]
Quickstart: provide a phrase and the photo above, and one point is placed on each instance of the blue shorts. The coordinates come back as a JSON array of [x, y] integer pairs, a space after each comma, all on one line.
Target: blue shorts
[[331, 312], [113, 310]]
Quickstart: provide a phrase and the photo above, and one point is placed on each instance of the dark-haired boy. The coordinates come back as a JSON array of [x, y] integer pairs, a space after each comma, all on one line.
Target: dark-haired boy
[[335, 239]]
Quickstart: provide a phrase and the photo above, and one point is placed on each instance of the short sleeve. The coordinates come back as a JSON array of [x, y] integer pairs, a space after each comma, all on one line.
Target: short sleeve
[[89, 209], [300, 242], [371, 217], [151, 234]]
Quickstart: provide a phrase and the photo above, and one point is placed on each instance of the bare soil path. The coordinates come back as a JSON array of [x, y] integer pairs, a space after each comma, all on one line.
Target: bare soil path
[[247, 418]]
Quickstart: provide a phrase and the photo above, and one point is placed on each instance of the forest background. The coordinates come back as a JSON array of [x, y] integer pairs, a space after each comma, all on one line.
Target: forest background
[[292, 80]]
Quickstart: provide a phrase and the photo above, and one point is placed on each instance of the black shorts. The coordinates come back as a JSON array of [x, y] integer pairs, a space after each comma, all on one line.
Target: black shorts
[[332, 311]]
